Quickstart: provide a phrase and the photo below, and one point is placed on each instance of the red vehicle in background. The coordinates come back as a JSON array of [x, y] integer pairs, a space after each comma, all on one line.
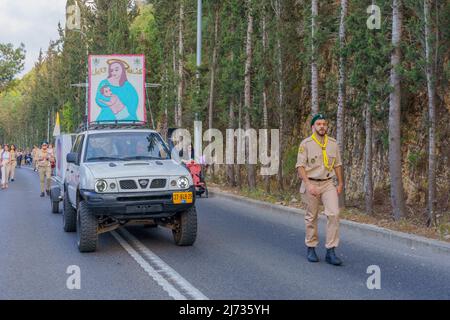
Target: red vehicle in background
[[197, 173], [196, 169]]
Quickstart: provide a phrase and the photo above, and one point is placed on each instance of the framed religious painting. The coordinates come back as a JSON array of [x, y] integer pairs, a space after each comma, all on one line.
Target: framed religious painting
[[117, 89]]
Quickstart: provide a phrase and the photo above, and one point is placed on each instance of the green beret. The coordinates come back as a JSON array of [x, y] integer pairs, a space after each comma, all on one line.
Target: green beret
[[318, 116]]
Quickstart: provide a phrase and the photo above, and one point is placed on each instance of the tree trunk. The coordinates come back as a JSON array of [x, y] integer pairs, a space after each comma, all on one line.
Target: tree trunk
[[213, 78], [230, 167], [341, 94], [368, 181], [213, 69], [395, 153], [247, 90], [165, 81], [238, 166], [431, 117], [265, 89], [278, 8], [174, 80], [179, 112], [314, 74]]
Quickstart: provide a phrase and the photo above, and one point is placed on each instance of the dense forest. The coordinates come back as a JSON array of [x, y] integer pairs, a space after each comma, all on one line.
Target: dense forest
[[271, 64]]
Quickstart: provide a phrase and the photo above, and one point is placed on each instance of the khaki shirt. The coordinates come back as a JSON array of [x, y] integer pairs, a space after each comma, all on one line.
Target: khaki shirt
[[44, 158], [311, 158]]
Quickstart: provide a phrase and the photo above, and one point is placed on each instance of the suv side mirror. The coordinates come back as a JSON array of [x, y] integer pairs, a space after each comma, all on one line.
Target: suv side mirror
[[72, 157]]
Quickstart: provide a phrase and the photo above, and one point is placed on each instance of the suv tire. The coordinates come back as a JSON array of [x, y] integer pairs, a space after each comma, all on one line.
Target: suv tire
[[55, 206], [186, 232], [87, 225], [69, 215]]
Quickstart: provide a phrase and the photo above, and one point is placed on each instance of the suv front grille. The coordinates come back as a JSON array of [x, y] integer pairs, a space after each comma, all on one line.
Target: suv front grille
[[128, 184], [158, 183], [145, 198]]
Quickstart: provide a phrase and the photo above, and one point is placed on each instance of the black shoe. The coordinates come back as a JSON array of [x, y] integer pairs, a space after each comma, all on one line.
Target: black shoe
[[12, 179], [42, 194], [48, 192], [311, 255], [331, 257]]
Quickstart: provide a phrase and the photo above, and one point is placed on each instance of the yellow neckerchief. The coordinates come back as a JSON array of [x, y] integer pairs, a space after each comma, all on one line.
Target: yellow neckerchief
[[324, 151]]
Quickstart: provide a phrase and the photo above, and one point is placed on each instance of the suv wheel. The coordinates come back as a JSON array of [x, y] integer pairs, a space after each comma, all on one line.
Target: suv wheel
[[87, 225], [186, 231], [54, 204], [55, 207], [69, 215]]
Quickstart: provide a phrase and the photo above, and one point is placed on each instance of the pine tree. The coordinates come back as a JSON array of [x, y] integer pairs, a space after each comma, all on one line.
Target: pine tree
[[118, 27], [395, 156]]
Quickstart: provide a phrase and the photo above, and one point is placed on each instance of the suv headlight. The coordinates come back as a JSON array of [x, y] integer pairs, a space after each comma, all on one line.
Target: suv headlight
[[183, 183], [101, 186]]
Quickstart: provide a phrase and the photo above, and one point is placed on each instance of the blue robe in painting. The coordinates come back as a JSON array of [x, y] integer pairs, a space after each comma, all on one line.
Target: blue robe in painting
[[126, 93]]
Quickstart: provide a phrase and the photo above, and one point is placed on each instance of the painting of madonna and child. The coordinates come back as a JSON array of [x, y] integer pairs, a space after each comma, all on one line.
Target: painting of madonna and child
[[116, 89]]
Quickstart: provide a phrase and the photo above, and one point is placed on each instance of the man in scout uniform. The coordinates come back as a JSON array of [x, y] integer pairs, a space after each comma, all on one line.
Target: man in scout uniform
[[318, 161], [44, 159]]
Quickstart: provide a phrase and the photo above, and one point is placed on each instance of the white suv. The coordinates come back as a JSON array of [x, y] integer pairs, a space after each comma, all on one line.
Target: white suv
[[126, 175]]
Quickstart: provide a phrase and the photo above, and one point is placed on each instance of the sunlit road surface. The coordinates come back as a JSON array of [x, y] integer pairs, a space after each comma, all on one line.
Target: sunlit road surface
[[242, 252]]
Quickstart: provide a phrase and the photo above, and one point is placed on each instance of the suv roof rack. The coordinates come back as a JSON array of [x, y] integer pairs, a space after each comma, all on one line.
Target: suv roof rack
[[107, 125]]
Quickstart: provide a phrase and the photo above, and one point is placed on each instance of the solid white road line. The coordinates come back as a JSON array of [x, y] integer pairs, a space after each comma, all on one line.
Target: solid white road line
[[157, 269]]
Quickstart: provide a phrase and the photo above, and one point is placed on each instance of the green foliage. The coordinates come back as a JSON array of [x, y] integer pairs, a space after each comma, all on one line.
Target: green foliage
[[11, 63], [67, 116], [152, 28], [289, 161], [118, 27]]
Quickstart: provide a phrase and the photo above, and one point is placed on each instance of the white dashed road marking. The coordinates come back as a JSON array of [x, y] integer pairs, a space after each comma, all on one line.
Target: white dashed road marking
[[171, 281]]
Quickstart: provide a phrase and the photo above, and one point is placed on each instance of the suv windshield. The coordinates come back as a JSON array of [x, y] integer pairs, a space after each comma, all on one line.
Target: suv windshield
[[125, 146]]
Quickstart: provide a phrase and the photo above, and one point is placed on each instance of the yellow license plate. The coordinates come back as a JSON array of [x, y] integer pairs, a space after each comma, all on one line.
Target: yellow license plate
[[182, 197]]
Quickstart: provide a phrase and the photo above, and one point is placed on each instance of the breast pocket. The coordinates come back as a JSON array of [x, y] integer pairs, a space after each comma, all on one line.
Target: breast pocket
[[314, 159], [331, 157]]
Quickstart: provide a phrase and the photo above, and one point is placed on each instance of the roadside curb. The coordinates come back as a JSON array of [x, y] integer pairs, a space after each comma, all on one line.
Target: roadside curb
[[412, 241]]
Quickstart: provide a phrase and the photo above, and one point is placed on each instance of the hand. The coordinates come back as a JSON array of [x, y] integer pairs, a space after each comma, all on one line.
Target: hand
[[339, 188], [312, 189]]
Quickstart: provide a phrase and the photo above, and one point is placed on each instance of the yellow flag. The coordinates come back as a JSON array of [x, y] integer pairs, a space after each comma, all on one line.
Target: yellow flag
[[57, 129]]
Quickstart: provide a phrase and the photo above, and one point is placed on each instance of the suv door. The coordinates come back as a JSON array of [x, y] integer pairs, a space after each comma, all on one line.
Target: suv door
[[74, 170]]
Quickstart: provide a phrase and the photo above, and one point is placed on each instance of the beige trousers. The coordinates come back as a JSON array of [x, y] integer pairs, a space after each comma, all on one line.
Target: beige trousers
[[329, 197], [12, 169], [45, 178], [5, 174]]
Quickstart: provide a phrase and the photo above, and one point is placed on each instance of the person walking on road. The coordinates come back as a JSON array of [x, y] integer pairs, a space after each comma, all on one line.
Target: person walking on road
[[12, 162], [52, 152], [318, 161], [28, 158], [34, 155], [5, 158], [1, 150], [44, 159], [19, 158]]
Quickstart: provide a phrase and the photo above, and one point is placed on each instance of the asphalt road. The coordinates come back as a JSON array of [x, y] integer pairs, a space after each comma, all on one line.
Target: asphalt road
[[241, 252]]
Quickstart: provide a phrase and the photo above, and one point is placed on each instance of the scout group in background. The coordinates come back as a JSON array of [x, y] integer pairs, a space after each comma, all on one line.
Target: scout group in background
[[12, 158]]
